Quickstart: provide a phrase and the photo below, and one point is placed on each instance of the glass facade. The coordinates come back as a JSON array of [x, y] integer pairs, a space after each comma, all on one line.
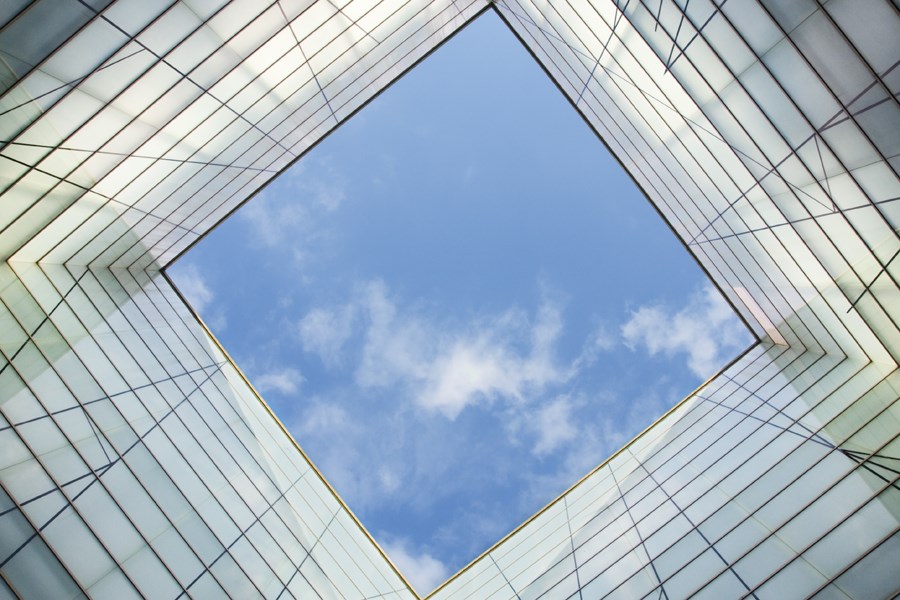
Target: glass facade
[[137, 461]]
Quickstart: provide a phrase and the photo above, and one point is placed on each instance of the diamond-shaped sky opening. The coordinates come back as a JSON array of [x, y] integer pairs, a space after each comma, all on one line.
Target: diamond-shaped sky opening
[[459, 303]]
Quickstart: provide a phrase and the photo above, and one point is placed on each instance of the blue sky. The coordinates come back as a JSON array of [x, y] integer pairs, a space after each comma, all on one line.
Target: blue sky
[[459, 303]]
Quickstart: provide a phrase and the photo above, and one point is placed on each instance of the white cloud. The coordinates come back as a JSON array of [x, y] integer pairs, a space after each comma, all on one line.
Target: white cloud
[[490, 364], [325, 331], [273, 218], [364, 467], [196, 291], [320, 417], [423, 571], [600, 340], [554, 425], [193, 286], [286, 380], [394, 349], [449, 369], [706, 330], [291, 211]]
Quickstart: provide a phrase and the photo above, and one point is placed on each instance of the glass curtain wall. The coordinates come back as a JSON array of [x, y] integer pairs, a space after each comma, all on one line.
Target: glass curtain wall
[[138, 461]]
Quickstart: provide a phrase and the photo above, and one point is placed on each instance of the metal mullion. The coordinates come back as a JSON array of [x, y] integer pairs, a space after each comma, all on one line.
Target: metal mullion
[[676, 179], [815, 135], [90, 119], [730, 566], [753, 141], [642, 91], [400, 43], [855, 465], [590, 476], [690, 122], [833, 580], [315, 76], [105, 104], [355, 22], [317, 141], [697, 31], [211, 431], [663, 162], [704, 144], [167, 318], [97, 400], [618, 125], [749, 415], [84, 190], [59, 180], [8, 586], [132, 155], [696, 406], [10, 19], [823, 535], [97, 473], [35, 534], [844, 115], [46, 313], [189, 328], [53, 52], [309, 462], [875, 75], [827, 145], [702, 266], [572, 546], [603, 50], [138, 438], [186, 76], [71, 83], [50, 491], [204, 92], [505, 578], [217, 411], [636, 529], [309, 555], [736, 79], [678, 452], [257, 519], [713, 485], [338, 562], [278, 143], [274, 484], [787, 223], [867, 288], [233, 142]]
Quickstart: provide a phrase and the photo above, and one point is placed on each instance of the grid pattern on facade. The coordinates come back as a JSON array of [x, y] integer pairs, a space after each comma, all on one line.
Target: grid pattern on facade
[[137, 460]]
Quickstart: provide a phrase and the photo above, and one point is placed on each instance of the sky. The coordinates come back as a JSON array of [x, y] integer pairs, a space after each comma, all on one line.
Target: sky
[[459, 303]]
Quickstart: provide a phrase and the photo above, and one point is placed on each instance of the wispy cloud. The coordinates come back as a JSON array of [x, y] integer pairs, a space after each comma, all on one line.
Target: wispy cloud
[[193, 286], [198, 294], [420, 398], [285, 380], [554, 424], [366, 467], [291, 211], [324, 331], [504, 356], [423, 570], [705, 330]]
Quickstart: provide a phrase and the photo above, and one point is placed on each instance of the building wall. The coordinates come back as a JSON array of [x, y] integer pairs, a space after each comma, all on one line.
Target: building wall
[[137, 461]]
